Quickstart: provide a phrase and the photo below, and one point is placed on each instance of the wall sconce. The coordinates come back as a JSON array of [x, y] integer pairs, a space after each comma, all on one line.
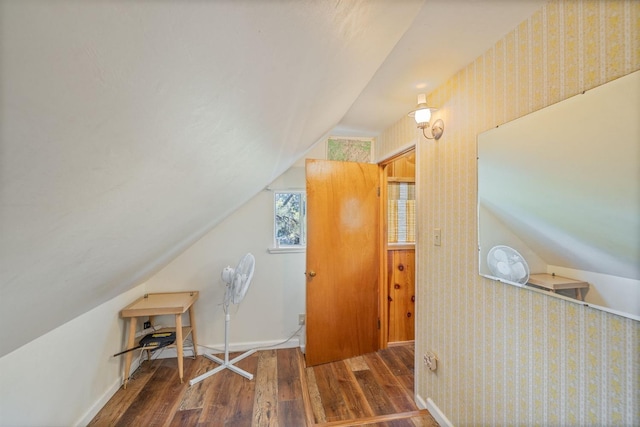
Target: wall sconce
[[422, 114]]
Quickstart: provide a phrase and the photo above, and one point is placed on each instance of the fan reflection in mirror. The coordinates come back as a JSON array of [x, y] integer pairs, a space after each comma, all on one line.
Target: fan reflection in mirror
[[506, 263]]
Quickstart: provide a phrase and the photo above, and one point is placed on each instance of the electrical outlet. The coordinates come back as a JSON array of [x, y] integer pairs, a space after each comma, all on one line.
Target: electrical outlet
[[301, 319], [431, 360], [147, 325]]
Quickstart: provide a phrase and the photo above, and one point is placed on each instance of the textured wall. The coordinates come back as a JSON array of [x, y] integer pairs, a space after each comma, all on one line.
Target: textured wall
[[510, 356]]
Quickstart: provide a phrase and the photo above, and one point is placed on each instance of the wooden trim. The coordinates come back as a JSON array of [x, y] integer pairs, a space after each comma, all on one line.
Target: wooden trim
[[306, 399], [394, 156], [384, 246], [375, 419], [400, 343], [401, 179], [383, 289], [400, 246]]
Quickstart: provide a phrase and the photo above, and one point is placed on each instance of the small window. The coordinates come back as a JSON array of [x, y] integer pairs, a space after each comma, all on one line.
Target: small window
[[401, 212], [290, 225]]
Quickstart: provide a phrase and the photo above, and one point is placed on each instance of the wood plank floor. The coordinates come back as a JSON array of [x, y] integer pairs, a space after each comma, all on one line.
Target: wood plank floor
[[371, 390]]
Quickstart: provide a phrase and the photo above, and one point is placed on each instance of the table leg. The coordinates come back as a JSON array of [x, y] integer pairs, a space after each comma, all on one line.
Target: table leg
[[131, 342], [192, 322], [579, 294], [179, 343]]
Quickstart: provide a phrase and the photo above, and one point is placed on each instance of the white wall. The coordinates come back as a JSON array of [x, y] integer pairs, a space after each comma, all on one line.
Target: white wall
[[269, 312], [120, 122], [77, 357], [64, 377]]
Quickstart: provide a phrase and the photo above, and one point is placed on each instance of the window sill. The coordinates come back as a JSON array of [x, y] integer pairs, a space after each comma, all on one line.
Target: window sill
[[287, 250]]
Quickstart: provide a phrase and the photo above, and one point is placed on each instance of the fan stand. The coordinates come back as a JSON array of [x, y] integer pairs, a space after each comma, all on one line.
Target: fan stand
[[226, 363]]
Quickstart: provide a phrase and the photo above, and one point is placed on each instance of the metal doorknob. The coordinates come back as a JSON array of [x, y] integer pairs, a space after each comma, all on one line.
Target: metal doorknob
[[312, 273]]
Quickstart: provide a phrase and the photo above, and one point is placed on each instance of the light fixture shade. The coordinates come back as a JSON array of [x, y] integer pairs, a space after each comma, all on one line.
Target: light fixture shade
[[423, 115]]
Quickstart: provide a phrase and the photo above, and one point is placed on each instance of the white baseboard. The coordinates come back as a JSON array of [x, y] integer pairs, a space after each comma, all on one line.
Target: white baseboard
[[420, 402], [219, 348], [431, 406], [108, 394]]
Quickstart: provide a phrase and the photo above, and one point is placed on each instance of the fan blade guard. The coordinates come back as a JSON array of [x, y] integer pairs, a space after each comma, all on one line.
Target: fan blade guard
[[506, 263], [242, 277]]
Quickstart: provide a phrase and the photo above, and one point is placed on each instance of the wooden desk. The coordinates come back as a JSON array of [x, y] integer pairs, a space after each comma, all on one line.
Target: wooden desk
[[158, 304], [554, 283]]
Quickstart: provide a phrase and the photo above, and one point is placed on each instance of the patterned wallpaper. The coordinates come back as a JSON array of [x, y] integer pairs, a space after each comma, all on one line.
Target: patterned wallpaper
[[509, 356]]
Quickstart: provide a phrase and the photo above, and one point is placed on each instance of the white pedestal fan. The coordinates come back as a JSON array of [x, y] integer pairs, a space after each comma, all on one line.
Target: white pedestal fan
[[238, 281]]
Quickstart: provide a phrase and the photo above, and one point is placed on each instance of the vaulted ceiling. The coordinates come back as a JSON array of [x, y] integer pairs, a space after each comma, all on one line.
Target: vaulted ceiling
[[130, 128]]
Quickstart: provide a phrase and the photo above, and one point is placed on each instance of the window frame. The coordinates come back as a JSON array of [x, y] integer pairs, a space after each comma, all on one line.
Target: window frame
[[278, 247]]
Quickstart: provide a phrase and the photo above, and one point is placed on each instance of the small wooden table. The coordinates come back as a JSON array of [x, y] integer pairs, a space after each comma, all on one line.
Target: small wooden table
[[158, 304], [554, 283]]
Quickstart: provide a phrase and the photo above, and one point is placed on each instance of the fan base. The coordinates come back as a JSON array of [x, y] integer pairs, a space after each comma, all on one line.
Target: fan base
[[225, 364]]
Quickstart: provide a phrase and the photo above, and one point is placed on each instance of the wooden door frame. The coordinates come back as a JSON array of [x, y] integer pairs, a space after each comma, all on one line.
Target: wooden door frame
[[383, 308]]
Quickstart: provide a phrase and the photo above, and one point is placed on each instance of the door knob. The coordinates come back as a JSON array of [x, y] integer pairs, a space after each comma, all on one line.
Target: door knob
[[312, 273]]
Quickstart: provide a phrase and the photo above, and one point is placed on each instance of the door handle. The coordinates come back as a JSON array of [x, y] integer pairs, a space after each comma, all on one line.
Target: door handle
[[312, 273]]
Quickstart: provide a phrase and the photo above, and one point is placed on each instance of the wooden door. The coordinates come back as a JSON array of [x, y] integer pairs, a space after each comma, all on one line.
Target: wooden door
[[342, 260]]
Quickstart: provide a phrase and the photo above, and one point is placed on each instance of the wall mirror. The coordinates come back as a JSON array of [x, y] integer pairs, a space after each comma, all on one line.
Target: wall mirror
[[560, 190]]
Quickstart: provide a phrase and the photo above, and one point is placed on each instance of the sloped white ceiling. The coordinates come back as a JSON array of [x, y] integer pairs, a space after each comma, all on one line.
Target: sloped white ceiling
[[445, 36], [128, 129]]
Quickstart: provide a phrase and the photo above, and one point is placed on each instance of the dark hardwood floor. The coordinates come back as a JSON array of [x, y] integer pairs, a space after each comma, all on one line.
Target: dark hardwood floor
[[371, 390]]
